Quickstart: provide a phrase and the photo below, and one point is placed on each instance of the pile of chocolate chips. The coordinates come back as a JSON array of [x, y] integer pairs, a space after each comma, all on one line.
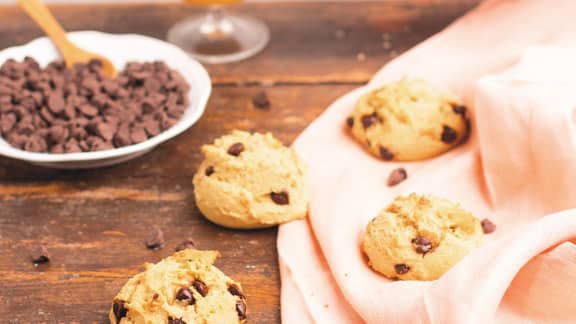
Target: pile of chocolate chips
[[68, 110]]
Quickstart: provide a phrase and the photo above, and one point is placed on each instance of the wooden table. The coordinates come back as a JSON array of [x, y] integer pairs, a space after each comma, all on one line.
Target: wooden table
[[94, 222]]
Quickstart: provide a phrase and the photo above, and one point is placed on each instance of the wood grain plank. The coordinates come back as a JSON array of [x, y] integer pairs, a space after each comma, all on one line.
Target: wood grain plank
[[311, 42]]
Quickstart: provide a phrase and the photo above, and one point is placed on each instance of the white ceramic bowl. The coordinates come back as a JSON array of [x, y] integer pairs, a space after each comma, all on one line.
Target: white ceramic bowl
[[119, 49]]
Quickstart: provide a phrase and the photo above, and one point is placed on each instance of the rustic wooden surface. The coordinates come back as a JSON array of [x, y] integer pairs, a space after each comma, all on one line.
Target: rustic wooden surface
[[94, 222]]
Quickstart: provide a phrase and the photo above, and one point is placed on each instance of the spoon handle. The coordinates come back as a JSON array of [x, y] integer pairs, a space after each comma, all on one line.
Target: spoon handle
[[38, 11]]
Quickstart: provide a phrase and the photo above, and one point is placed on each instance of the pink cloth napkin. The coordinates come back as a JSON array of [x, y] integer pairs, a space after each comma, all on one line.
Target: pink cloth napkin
[[518, 169]]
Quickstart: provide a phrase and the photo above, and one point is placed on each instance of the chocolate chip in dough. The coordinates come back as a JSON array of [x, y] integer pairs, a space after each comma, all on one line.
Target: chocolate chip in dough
[[396, 176], [369, 120], [235, 291], [155, 239], [280, 198], [186, 244], [423, 244], [40, 254], [200, 287], [175, 321], [241, 309], [386, 154], [487, 226], [119, 310], [350, 121], [235, 149], [449, 135], [261, 101], [401, 268], [459, 110], [209, 171], [184, 294]]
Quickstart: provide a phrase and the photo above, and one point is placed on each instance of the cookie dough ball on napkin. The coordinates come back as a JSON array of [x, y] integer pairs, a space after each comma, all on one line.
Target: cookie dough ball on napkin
[[250, 181], [408, 120], [183, 288], [420, 237]]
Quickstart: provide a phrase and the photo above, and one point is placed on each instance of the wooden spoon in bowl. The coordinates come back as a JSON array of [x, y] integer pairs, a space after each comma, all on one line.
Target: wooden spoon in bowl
[[72, 54]]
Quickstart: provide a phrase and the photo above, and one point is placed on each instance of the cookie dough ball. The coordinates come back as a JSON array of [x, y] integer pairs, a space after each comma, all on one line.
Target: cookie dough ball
[[250, 181], [420, 237], [183, 288], [408, 120]]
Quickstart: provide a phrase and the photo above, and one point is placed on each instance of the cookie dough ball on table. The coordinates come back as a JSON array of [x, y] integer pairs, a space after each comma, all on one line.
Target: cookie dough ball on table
[[408, 120], [420, 237], [250, 181], [183, 288]]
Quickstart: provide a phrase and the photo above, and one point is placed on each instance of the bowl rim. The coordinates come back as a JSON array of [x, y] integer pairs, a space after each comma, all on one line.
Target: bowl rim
[[199, 106]]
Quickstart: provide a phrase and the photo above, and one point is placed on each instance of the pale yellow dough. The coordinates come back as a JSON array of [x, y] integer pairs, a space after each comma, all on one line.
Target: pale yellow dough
[[408, 120], [391, 239], [237, 191], [150, 297]]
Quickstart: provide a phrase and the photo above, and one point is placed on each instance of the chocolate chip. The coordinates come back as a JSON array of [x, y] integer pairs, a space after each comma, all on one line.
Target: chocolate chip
[[40, 254], [122, 137], [175, 321], [234, 290], [487, 226], [152, 85], [88, 110], [235, 149], [241, 309], [200, 287], [459, 110], [57, 149], [138, 134], [119, 310], [350, 121], [155, 239], [397, 176], [35, 143], [401, 268], [449, 135], [184, 294], [84, 146], [186, 244], [105, 130], [56, 103], [7, 122], [152, 127], [209, 171], [58, 134], [260, 100], [46, 115], [368, 120], [423, 244], [101, 146], [280, 198], [386, 154]]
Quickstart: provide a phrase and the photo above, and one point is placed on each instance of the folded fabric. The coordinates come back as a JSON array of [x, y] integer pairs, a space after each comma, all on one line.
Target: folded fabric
[[517, 169]]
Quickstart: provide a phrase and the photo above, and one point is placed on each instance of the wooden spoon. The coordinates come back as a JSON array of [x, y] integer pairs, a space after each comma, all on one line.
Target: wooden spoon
[[72, 54]]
